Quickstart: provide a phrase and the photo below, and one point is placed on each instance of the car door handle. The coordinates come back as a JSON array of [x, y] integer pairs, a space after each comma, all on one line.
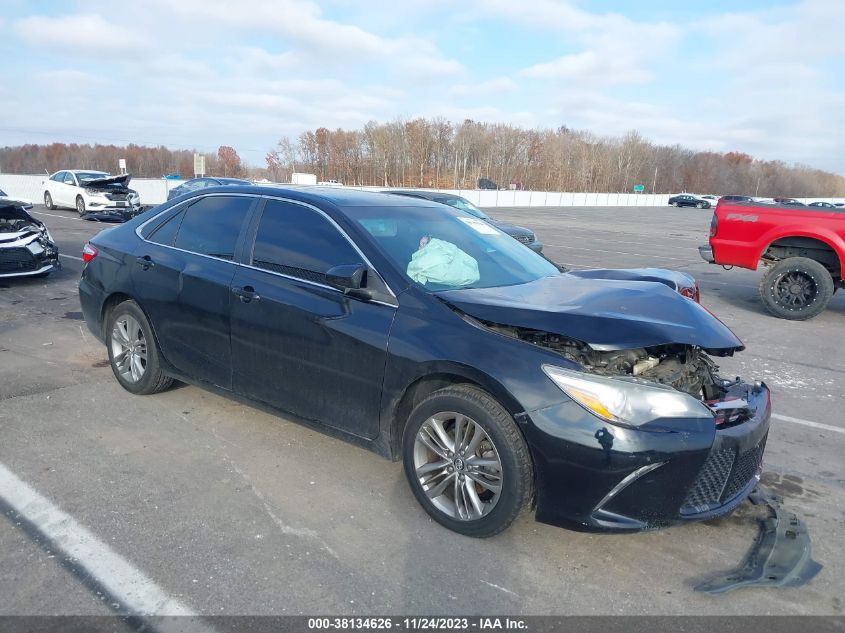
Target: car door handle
[[246, 294], [146, 262]]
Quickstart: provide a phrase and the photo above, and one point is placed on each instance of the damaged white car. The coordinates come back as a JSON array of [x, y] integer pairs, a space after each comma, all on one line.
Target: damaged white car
[[26, 246], [96, 194]]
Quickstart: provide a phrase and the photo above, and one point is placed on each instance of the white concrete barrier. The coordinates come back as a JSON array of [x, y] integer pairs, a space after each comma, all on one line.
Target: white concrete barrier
[[155, 190]]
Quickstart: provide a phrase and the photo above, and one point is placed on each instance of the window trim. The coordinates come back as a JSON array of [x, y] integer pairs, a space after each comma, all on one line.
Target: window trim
[[249, 234]]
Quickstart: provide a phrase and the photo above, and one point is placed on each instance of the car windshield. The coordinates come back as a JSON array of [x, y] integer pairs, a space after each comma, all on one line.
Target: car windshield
[[465, 205], [442, 249], [234, 181], [88, 176]]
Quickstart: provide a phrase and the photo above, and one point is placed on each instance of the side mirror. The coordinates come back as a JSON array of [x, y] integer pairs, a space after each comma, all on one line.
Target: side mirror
[[347, 276]]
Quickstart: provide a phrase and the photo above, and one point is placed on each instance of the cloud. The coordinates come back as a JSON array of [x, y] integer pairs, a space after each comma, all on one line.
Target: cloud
[[86, 34], [491, 87]]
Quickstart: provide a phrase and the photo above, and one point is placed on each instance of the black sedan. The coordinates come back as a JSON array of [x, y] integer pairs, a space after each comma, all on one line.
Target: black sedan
[[520, 233], [427, 335], [688, 200], [195, 184]]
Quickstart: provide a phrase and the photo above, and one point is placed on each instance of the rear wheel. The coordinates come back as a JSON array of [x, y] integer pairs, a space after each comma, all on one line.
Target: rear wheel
[[796, 288], [467, 462], [674, 204], [48, 201], [133, 353], [80, 205]]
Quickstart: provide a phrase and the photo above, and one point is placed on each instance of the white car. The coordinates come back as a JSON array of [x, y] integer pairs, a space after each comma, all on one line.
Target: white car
[[713, 200], [91, 192]]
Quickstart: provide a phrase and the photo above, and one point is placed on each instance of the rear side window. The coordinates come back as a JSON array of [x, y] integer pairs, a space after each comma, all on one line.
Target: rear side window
[[58, 177], [211, 225], [297, 241], [165, 233]]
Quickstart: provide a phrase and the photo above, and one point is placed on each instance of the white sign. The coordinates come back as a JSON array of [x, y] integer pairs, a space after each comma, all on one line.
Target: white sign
[[199, 165], [480, 226]]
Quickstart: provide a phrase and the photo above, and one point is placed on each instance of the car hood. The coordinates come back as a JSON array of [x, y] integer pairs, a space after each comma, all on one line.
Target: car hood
[[606, 314], [672, 278], [122, 180], [512, 229]]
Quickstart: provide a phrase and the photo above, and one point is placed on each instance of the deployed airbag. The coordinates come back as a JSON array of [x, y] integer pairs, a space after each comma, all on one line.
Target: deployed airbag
[[443, 263]]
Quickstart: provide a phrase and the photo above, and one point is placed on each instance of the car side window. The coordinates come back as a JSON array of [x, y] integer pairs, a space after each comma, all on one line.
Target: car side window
[[211, 225], [165, 233], [295, 240], [58, 176], [69, 179]]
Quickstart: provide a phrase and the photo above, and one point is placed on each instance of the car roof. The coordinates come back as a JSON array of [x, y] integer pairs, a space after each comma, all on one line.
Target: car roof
[[84, 171], [315, 194], [428, 195]]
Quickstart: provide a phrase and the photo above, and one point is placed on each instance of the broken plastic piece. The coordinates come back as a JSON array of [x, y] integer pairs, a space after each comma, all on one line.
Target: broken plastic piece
[[781, 556]]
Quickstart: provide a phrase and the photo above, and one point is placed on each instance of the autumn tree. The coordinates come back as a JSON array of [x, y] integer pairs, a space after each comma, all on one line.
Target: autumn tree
[[229, 160]]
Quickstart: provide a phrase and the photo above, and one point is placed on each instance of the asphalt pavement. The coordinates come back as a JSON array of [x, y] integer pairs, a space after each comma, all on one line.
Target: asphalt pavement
[[230, 510]]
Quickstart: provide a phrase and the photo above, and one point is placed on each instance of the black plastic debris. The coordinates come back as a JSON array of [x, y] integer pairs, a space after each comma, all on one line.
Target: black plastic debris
[[781, 556]]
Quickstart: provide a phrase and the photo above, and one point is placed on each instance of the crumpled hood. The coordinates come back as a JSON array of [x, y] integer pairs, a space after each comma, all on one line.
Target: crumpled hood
[[606, 314], [109, 181], [673, 278]]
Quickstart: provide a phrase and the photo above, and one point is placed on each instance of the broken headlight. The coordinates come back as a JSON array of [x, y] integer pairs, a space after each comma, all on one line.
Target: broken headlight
[[626, 400]]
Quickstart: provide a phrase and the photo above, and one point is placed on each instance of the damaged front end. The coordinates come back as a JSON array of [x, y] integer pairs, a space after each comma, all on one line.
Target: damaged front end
[[651, 434], [26, 246]]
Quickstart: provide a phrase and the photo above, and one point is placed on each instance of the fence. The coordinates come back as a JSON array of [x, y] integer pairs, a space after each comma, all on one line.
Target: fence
[[155, 190]]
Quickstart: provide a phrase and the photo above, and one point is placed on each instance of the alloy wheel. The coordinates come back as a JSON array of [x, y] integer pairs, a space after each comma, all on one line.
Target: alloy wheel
[[795, 290], [129, 348], [458, 466]]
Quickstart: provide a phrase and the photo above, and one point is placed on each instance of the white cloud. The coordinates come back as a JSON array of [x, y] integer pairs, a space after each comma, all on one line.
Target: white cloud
[[87, 33], [491, 87]]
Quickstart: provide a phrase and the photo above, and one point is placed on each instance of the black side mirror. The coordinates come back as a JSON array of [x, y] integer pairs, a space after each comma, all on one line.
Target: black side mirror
[[347, 276]]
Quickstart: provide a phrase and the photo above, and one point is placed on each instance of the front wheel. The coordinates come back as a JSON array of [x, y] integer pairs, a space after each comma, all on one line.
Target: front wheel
[[796, 288], [467, 462], [699, 205], [80, 205], [133, 353]]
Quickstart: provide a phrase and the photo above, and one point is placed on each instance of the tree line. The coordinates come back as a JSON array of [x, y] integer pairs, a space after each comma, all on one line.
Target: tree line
[[438, 153], [141, 161]]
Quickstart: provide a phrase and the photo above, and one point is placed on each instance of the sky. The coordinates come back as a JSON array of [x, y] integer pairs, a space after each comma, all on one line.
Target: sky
[[765, 77]]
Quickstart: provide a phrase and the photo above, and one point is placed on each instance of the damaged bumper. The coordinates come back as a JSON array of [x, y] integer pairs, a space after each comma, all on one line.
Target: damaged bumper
[[595, 476]]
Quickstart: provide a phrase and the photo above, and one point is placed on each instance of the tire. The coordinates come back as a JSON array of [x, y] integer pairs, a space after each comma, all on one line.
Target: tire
[[129, 334], [80, 205], [796, 288], [699, 205], [481, 511], [673, 204], [48, 201]]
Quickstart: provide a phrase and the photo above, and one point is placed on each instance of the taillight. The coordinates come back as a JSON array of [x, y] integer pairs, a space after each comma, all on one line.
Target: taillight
[[89, 252], [691, 293], [714, 226]]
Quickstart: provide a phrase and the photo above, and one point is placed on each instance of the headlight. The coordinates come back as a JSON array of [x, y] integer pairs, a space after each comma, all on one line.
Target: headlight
[[628, 401]]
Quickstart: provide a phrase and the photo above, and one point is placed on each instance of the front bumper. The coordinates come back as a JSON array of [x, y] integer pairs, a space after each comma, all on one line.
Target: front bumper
[[29, 260], [594, 476], [706, 252]]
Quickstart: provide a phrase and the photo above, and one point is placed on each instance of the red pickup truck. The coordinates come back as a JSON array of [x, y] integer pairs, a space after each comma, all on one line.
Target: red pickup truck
[[803, 249]]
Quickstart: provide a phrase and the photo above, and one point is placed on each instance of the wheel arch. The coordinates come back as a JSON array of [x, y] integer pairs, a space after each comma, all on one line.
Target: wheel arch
[[436, 378], [114, 300], [804, 242]]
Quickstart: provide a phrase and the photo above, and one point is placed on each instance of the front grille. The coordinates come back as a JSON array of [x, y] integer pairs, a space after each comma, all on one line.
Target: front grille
[[117, 196], [746, 467], [723, 476], [16, 260], [525, 239]]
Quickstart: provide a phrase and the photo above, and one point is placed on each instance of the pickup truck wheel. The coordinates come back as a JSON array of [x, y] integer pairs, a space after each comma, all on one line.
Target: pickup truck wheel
[[796, 288], [467, 462]]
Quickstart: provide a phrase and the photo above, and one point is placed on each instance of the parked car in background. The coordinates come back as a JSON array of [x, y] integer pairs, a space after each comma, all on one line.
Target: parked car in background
[[95, 193], [520, 233], [790, 202], [713, 200], [823, 205], [689, 200], [27, 204], [736, 199], [26, 247], [429, 336], [486, 183], [195, 184]]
